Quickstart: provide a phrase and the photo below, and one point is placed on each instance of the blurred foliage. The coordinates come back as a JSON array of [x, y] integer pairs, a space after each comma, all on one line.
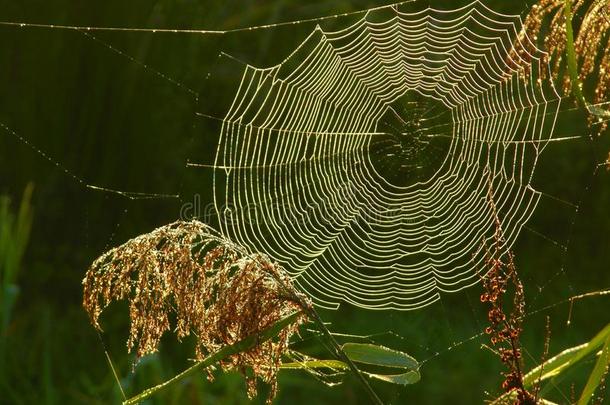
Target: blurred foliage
[[103, 119], [14, 236]]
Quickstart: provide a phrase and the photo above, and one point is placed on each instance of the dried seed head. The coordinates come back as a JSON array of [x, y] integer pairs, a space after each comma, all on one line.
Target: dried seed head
[[526, 43], [215, 290], [591, 42], [504, 329]]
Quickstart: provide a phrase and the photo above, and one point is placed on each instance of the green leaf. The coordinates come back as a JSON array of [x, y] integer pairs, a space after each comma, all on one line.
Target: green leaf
[[566, 359], [410, 377], [557, 365], [363, 353], [379, 356], [553, 366], [597, 375]]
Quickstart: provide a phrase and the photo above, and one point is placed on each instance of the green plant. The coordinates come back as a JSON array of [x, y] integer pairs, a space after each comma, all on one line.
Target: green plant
[[553, 370], [14, 237]]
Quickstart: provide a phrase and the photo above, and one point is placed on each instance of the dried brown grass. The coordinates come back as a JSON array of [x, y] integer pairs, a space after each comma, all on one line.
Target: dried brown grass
[[591, 42], [214, 289]]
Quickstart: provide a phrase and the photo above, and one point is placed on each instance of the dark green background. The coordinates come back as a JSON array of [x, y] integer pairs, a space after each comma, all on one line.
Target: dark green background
[[107, 111]]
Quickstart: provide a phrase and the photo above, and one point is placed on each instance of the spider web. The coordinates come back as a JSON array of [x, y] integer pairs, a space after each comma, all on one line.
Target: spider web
[[366, 161]]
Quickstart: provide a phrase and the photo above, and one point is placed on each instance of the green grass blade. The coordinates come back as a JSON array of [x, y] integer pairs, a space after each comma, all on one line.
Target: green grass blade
[[565, 359], [597, 375], [571, 54]]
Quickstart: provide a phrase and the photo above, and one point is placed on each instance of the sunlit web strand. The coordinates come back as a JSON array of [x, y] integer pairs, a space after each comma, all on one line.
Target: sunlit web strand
[[131, 195], [197, 31]]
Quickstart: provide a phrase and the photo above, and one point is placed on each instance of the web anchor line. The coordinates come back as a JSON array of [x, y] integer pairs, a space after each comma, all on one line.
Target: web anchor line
[[197, 31], [131, 195]]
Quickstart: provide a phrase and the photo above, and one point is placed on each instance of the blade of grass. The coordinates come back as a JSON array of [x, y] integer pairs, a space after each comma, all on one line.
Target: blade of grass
[[14, 236], [566, 359], [312, 364], [597, 375], [571, 55], [559, 364], [573, 66]]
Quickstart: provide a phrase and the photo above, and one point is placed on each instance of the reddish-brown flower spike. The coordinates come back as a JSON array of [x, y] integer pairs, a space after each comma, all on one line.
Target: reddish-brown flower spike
[[504, 328]]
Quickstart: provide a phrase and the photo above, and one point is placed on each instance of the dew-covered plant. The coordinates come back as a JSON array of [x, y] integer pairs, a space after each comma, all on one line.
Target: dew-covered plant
[[15, 227], [215, 290], [505, 325], [576, 37]]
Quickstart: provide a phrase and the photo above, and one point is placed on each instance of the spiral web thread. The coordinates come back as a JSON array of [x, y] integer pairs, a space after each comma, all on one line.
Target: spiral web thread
[[295, 173]]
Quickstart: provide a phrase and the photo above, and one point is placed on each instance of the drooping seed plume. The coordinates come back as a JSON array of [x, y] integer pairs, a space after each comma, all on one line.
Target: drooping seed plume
[[213, 288], [591, 23]]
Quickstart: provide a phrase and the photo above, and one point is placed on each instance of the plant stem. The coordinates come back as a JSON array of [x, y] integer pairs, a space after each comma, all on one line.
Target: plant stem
[[571, 55], [339, 353], [310, 311], [226, 351]]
